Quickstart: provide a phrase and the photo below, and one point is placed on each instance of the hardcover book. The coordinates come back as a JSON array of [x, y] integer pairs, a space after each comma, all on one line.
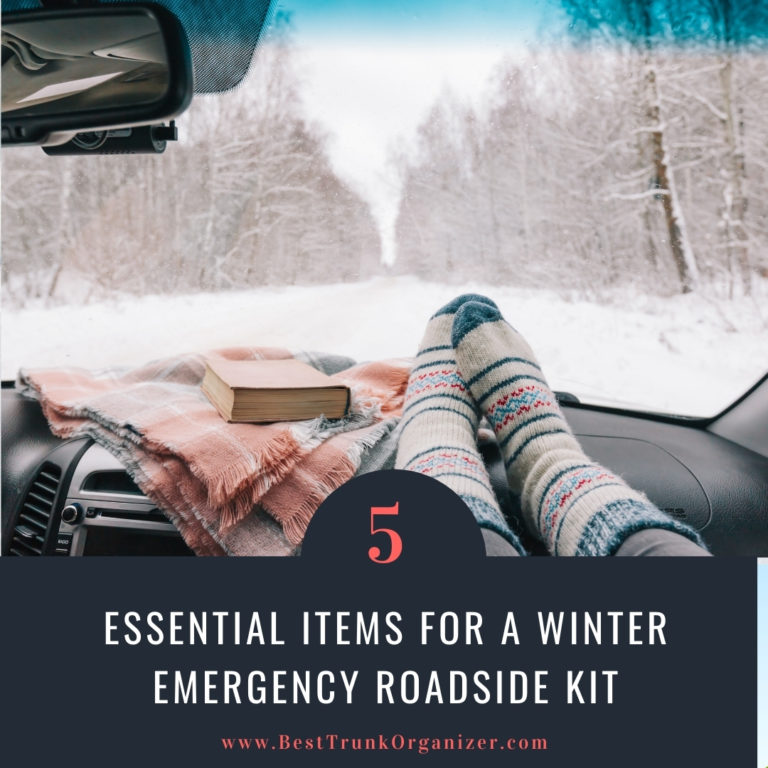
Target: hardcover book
[[272, 390]]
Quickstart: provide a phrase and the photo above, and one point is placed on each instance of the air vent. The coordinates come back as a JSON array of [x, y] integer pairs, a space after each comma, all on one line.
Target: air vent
[[32, 524], [111, 481]]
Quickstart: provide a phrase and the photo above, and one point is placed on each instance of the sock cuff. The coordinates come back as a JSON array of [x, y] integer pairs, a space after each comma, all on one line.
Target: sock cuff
[[490, 517], [610, 526]]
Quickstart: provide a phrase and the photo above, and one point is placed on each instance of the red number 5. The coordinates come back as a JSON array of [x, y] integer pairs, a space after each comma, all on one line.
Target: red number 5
[[395, 542]]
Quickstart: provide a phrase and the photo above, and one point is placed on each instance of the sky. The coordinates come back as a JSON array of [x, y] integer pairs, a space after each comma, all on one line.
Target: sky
[[487, 22], [371, 71]]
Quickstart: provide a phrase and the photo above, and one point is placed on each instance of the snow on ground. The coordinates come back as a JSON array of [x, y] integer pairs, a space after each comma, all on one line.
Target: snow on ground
[[683, 355]]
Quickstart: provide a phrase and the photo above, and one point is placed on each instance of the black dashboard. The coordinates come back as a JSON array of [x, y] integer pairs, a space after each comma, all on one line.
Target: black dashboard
[[73, 498]]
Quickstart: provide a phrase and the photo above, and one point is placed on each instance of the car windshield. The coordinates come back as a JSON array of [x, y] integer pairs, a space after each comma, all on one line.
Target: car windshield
[[599, 169]]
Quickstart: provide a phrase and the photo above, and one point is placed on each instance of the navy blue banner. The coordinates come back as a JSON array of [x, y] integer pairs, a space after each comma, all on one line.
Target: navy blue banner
[[437, 655]]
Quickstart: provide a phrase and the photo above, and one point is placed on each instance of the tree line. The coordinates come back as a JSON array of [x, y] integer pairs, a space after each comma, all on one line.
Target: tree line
[[638, 155], [634, 154]]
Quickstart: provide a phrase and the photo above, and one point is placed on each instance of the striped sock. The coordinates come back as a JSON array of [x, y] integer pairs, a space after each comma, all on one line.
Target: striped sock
[[575, 506], [438, 430]]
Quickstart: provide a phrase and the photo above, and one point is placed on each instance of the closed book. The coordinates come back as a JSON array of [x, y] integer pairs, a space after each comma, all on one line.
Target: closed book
[[272, 390]]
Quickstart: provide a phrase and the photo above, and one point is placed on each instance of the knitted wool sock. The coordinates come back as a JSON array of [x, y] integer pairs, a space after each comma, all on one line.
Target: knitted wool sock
[[575, 506], [438, 430]]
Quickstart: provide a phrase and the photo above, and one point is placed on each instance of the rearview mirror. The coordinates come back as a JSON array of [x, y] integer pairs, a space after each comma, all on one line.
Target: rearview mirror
[[70, 70]]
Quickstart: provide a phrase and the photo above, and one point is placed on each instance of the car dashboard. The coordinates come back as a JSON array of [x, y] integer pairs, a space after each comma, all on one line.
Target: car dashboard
[[73, 498]]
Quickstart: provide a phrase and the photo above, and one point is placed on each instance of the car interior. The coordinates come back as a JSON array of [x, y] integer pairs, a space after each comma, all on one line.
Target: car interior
[[71, 497]]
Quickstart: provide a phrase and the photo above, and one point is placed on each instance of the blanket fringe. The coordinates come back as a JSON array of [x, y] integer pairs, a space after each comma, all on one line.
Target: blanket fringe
[[244, 478], [295, 526], [366, 442]]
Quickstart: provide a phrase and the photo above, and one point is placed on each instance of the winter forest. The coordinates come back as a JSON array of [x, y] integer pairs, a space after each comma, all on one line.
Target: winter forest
[[618, 160]]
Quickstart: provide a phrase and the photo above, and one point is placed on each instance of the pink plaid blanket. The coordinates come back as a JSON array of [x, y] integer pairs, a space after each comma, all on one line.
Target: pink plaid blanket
[[208, 475]]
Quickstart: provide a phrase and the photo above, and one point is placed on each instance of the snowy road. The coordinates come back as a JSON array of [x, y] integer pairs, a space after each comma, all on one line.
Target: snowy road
[[683, 354]]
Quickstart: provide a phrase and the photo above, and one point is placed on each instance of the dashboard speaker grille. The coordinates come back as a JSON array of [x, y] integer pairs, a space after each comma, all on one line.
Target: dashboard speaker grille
[[36, 511]]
